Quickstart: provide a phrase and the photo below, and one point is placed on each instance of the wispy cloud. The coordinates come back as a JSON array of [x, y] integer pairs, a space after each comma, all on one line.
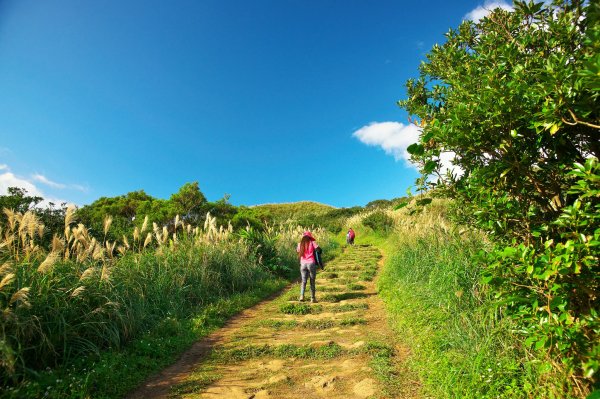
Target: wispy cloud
[[60, 186], [392, 137], [44, 180], [79, 187], [9, 179], [483, 10]]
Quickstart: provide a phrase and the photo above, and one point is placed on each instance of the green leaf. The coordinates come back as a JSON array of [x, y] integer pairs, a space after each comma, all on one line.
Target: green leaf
[[540, 343], [594, 395], [400, 206], [429, 167], [415, 149]]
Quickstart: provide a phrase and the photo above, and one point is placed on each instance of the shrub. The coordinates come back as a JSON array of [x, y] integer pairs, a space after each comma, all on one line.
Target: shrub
[[513, 99], [379, 221]]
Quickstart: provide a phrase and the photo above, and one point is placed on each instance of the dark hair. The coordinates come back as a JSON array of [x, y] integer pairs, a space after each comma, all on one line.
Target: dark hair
[[304, 243]]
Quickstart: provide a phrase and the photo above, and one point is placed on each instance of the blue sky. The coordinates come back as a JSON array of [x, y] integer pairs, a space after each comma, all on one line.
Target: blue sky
[[269, 101]]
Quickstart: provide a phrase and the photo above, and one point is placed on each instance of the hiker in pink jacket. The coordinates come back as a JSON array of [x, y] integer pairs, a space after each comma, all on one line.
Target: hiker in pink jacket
[[308, 251], [350, 237]]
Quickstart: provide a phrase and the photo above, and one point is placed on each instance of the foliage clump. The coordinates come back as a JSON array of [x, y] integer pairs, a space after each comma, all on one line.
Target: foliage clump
[[379, 221], [513, 99]]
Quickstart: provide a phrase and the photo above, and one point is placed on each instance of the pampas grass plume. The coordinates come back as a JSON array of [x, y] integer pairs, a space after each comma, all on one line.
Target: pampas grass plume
[[47, 264], [107, 223], [148, 240], [22, 295], [7, 280], [77, 291], [144, 225]]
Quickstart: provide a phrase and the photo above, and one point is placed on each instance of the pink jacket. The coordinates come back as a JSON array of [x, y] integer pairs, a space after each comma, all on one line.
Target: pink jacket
[[308, 256]]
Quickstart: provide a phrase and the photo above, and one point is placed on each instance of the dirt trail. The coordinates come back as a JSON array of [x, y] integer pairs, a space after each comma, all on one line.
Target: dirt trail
[[340, 347]]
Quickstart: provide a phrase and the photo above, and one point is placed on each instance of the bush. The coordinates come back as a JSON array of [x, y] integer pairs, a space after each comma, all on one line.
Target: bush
[[379, 221], [513, 98]]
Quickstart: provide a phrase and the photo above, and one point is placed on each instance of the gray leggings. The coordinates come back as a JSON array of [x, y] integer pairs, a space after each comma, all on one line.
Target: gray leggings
[[306, 271]]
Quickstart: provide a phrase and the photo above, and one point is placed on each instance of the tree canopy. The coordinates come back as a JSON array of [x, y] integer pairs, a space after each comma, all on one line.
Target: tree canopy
[[513, 99]]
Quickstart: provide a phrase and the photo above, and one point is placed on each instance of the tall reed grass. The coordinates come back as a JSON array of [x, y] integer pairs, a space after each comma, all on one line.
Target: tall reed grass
[[460, 345], [85, 295]]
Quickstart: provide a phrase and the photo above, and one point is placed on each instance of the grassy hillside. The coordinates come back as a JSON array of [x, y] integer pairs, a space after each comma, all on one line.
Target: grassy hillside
[[293, 210]]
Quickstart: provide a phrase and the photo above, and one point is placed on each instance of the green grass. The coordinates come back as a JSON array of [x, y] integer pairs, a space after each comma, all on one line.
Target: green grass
[[309, 324], [294, 210], [115, 372], [195, 382], [460, 348], [299, 308], [343, 296], [348, 307], [287, 351], [277, 324], [318, 324], [330, 289], [382, 363], [356, 287], [352, 321]]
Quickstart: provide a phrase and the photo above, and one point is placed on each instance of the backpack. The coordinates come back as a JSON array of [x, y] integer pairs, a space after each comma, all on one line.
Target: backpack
[[318, 259]]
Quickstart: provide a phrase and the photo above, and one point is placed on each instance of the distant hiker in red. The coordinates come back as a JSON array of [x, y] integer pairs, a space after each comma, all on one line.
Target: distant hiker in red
[[310, 256], [350, 237]]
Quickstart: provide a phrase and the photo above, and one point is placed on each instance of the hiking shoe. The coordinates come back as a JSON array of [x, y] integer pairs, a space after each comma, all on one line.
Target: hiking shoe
[[313, 300], [301, 299]]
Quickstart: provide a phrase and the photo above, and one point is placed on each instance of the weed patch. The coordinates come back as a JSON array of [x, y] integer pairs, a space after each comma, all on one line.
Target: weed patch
[[198, 381], [349, 307], [330, 289], [356, 287], [318, 324], [299, 308], [342, 296], [352, 321], [277, 324], [328, 351]]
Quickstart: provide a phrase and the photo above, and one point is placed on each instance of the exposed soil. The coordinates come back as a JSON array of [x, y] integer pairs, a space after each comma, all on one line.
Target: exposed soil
[[340, 347]]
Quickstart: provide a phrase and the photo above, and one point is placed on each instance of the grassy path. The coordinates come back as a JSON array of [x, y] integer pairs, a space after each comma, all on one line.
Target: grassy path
[[340, 347]]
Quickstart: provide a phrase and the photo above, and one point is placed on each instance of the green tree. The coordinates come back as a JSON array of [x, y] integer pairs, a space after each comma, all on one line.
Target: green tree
[[19, 200], [188, 201], [514, 98]]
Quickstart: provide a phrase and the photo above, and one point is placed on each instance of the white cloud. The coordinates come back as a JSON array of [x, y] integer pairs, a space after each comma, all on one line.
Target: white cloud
[[8, 179], [483, 10], [79, 187], [446, 164], [44, 180], [4, 166], [392, 137], [395, 137]]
